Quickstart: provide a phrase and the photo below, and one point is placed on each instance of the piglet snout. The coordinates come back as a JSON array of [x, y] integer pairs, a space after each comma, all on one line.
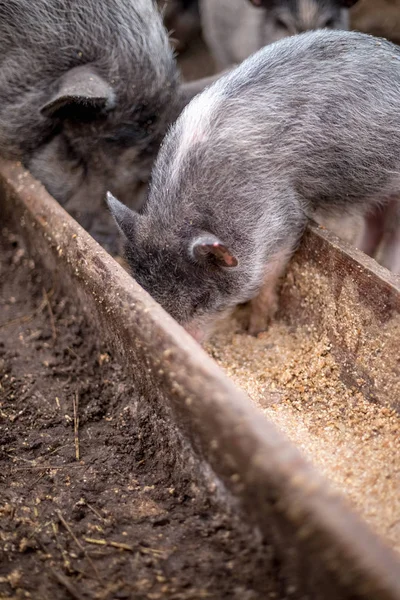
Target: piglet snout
[[198, 334]]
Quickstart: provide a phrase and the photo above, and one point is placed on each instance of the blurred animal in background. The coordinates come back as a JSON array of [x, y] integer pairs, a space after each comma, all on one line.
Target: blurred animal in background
[[235, 29]]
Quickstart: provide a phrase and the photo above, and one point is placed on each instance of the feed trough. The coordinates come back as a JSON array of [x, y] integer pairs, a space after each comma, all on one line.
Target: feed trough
[[331, 291]]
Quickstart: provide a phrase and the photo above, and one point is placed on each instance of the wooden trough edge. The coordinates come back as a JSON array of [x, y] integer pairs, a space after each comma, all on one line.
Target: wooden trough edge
[[327, 551], [348, 297], [377, 287]]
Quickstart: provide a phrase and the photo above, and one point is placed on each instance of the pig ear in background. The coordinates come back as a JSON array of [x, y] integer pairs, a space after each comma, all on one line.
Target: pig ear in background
[[81, 91], [124, 217], [210, 247]]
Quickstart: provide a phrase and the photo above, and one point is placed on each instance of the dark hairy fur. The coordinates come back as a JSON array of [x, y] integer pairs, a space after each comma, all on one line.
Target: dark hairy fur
[[308, 125], [86, 145]]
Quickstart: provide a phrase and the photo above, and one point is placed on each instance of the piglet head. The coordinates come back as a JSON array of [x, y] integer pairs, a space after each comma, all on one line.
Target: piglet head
[[195, 276], [287, 17], [100, 136]]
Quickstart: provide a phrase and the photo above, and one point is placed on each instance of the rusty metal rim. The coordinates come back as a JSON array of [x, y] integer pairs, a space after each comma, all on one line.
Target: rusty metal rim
[[255, 461]]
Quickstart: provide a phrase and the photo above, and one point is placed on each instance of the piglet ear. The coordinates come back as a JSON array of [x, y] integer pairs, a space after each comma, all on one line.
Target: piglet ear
[[208, 247], [124, 217], [81, 93]]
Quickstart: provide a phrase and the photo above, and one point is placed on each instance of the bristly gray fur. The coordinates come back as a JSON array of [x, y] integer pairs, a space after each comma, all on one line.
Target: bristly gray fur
[[125, 43], [308, 124], [234, 29]]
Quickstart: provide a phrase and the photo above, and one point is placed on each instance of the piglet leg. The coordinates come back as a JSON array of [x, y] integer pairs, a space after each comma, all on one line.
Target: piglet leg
[[372, 233], [264, 306], [389, 250]]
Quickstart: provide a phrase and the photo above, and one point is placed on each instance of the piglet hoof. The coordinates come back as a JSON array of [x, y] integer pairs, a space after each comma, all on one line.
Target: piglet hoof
[[260, 321], [257, 325]]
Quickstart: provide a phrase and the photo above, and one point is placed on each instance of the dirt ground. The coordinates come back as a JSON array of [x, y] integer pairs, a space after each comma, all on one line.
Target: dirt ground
[[88, 509]]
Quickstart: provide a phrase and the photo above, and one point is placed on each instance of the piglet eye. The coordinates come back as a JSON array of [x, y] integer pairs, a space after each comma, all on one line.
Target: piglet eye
[[131, 133], [330, 23], [202, 301], [281, 24]]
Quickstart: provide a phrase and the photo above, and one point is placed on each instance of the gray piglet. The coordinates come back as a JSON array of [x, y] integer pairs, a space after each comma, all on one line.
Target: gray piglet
[[309, 125], [234, 29]]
